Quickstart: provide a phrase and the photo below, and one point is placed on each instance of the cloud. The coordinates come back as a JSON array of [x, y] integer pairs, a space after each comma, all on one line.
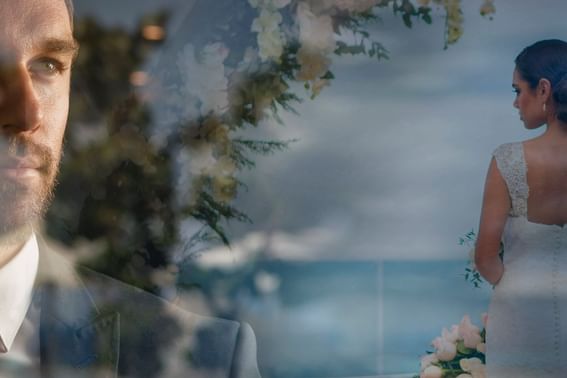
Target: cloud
[[308, 245], [405, 173], [390, 160]]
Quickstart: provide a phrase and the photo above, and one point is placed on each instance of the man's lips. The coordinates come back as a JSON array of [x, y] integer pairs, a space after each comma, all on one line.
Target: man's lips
[[20, 168]]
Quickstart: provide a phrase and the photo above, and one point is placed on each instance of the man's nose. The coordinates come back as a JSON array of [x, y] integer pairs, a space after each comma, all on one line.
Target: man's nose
[[20, 107]]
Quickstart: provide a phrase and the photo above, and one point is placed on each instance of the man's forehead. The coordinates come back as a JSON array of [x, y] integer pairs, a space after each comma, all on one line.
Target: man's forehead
[[29, 21]]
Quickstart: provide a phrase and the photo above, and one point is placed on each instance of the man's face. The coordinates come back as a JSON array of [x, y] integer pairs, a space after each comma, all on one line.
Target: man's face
[[36, 53]]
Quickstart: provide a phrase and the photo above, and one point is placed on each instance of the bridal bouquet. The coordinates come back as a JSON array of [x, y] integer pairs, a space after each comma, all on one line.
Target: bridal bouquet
[[459, 352]]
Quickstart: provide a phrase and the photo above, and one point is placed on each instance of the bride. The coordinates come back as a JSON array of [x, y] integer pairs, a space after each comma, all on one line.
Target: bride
[[525, 208]]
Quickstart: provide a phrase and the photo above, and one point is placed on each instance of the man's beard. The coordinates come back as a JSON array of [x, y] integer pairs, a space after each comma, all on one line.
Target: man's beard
[[21, 203]]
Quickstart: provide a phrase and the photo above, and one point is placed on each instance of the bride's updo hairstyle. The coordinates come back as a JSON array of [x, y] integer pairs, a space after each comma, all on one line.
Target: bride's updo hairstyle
[[547, 59]]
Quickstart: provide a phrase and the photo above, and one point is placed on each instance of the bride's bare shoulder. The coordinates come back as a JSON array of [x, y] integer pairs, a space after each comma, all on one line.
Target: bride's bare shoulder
[[545, 154]]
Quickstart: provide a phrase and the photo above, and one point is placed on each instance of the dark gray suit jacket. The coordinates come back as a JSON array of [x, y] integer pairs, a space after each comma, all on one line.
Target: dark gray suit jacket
[[94, 326]]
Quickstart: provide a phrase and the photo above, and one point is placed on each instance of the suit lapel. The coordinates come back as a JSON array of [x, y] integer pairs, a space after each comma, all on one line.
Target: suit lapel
[[76, 338]]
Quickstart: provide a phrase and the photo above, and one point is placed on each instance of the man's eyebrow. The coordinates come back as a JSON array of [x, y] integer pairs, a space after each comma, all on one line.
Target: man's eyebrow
[[60, 45]]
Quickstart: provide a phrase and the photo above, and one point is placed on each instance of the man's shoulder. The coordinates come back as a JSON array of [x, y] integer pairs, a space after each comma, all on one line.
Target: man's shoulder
[[155, 334], [138, 307], [212, 343], [108, 291]]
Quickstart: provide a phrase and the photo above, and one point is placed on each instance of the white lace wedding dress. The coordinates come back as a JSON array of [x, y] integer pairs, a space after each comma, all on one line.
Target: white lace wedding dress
[[526, 333]]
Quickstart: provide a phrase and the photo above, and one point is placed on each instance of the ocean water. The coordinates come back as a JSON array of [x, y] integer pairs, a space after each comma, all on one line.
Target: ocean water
[[346, 319]]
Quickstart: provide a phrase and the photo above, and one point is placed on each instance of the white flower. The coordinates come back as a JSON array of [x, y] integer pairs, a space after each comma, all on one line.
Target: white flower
[[203, 76], [474, 366], [451, 336], [445, 350], [270, 44], [267, 21], [466, 364], [431, 372], [202, 158], [481, 373], [315, 32], [427, 360], [183, 177], [469, 333], [481, 347], [270, 38]]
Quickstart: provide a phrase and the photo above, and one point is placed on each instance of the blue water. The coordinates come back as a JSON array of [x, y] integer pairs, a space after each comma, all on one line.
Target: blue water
[[346, 319]]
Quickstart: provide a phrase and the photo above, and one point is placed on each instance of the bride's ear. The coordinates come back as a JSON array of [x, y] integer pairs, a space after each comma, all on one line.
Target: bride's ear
[[544, 89]]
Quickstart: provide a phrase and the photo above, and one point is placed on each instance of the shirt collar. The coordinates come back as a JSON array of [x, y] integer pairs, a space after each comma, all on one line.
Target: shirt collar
[[16, 286]]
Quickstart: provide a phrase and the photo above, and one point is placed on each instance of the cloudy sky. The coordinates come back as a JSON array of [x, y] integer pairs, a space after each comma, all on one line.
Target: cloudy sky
[[391, 159]]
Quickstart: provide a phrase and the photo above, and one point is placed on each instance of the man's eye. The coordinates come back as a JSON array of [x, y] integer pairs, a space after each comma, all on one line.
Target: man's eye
[[47, 67]]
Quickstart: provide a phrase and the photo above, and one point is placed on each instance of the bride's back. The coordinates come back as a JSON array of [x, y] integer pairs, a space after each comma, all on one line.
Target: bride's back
[[547, 180]]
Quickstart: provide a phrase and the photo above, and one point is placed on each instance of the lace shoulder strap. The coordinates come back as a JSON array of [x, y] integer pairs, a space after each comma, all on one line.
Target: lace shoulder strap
[[512, 165]]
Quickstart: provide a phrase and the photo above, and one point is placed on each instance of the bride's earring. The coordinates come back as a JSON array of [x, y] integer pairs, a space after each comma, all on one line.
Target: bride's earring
[[544, 108]]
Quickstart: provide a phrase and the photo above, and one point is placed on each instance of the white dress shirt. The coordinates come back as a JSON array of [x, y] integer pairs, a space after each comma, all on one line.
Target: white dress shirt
[[17, 279]]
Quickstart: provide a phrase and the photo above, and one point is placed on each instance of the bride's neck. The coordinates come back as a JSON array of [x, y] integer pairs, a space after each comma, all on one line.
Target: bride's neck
[[556, 130]]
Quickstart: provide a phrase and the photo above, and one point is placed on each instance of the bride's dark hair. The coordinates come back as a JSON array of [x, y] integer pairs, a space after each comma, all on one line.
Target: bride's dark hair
[[547, 59]]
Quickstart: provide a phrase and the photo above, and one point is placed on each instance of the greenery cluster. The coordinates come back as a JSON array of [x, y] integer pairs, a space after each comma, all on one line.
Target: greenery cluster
[[471, 273]]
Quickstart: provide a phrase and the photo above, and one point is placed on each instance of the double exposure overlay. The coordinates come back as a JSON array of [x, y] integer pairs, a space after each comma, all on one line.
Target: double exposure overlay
[[311, 170]]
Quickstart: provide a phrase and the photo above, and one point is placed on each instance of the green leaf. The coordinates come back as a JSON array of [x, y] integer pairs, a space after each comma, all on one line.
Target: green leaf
[[328, 76], [461, 348]]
